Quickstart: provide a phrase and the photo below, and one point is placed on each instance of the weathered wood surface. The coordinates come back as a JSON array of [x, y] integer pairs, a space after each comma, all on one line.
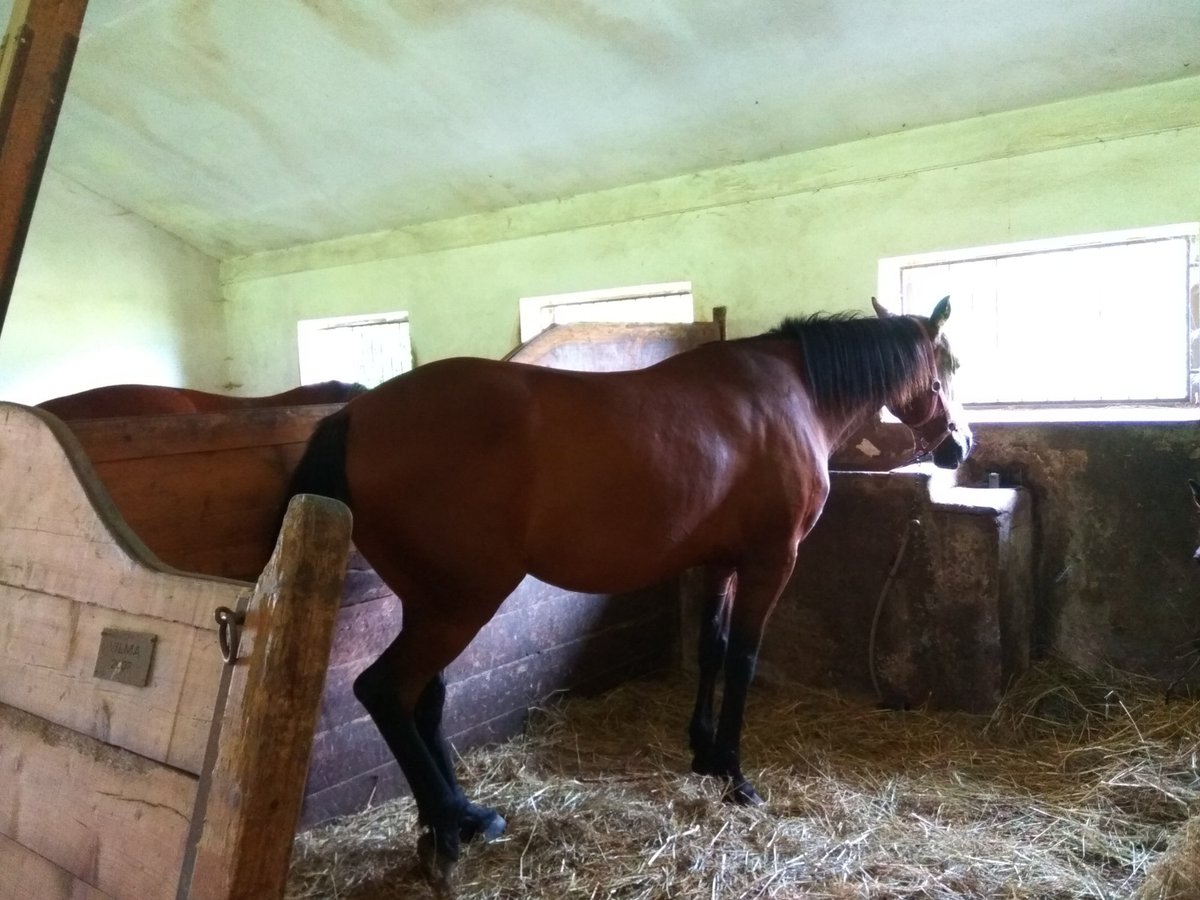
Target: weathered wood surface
[[124, 400], [876, 447], [69, 567], [205, 491], [111, 789], [106, 816], [35, 60], [255, 795], [612, 347], [25, 874]]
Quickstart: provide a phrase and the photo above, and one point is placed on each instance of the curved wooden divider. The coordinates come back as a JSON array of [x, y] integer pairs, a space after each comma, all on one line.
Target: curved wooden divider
[[187, 784]]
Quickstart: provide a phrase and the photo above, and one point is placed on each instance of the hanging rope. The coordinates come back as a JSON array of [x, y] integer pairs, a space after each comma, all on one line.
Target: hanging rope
[[912, 523]]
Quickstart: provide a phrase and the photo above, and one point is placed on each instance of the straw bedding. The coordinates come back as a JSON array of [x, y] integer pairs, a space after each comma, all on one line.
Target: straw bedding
[[1078, 787]]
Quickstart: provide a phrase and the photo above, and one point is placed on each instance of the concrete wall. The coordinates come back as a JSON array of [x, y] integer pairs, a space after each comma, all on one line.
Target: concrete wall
[[102, 296], [792, 234], [1114, 532]]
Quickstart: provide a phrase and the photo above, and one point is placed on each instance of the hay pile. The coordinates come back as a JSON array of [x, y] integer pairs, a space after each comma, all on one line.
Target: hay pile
[[1074, 789]]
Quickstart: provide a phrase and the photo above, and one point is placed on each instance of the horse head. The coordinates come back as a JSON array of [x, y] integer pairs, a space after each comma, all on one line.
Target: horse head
[[935, 418]]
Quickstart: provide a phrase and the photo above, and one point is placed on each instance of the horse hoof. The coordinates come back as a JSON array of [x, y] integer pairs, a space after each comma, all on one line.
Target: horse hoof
[[743, 794], [437, 865], [701, 766], [486, 824]]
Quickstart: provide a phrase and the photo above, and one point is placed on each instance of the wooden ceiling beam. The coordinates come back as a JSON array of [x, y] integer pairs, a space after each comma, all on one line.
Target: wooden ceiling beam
[[35, 62]]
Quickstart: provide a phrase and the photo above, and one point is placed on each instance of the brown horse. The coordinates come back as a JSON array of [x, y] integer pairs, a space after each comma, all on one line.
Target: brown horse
[[465, 475], [160, 400]]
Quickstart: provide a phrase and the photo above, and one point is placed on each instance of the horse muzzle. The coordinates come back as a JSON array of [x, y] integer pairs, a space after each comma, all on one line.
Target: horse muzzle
[[954, 450]]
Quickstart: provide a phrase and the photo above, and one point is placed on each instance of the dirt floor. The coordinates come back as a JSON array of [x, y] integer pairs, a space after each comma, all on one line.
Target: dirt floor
[[1077, 787]]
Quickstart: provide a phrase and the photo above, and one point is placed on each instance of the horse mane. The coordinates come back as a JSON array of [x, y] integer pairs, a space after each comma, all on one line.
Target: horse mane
[[850, 360]]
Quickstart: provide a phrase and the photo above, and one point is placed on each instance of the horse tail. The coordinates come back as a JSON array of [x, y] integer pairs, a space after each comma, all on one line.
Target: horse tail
[[322, 468]]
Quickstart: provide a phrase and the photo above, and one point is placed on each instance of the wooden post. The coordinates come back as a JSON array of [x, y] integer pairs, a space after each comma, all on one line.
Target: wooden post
[[257, 779], [35, 62]]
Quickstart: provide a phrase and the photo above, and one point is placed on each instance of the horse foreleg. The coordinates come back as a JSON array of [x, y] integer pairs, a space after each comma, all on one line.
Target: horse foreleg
[[714, 639], [757, 593]]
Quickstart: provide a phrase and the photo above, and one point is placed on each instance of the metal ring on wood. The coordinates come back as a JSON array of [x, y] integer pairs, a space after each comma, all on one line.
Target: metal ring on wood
[[229, 632]]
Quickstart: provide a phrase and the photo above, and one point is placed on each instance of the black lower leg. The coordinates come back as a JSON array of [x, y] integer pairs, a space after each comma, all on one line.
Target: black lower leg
[[740, 663], [714, 637], [476, 821], [438, 806]]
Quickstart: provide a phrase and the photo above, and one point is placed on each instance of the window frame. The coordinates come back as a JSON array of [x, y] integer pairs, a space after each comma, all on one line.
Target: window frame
[[532, 308], [306, 328], [890, 289]]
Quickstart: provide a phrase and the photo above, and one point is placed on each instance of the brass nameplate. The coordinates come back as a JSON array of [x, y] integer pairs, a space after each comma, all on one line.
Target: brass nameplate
[[125, 656]]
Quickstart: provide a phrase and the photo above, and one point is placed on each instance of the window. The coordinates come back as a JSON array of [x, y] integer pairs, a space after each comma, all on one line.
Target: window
[[365, 349], [671, 302], [1089, 320]]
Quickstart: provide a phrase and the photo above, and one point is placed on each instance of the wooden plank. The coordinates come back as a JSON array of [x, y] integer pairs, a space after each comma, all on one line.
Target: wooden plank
[[48, 651], [237, 496], [525, 682], [535, 623], [25, 874], [876, 447], [366, 785], [258, 774], [61, 535], [342, 751], [227, 470], [364, 630], [554, 618], [140, 437], [105, 816], [607, 347], [362, 791], [36, 60], [546, 620], [362, 585]]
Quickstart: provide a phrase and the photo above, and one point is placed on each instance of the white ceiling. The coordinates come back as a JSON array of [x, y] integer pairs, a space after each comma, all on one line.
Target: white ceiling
[[249, 125]]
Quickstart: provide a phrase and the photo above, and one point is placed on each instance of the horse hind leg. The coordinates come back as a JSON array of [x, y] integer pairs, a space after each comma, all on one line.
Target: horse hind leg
[[404, 693], [714, 640], [477, 821], [388, 701]]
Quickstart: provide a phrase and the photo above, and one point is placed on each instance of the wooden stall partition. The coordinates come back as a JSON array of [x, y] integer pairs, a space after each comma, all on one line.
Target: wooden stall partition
[[35, 61], [613, 346], [136, 763], [204, 491], [255, 787]]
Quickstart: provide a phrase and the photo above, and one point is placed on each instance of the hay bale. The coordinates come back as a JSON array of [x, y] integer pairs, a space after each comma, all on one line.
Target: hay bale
[[1075, 788]]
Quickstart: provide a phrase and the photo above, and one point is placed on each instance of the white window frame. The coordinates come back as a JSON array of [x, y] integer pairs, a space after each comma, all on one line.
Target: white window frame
[[308, 347], [891, 292], [538, 313]]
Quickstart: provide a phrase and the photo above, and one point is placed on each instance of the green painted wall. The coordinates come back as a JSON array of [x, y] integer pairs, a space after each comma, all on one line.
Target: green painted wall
[[789, 235], [101, 297]]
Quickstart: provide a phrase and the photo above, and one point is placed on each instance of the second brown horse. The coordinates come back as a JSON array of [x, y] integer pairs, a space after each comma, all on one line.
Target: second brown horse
[[466, 475]]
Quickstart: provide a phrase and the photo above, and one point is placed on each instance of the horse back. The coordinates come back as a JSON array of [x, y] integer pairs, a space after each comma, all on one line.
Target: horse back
[[570, 470]]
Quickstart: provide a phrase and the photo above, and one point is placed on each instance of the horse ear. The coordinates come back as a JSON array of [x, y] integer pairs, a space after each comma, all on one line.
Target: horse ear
[[880, 309], [940, 314], [1195, 490]]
